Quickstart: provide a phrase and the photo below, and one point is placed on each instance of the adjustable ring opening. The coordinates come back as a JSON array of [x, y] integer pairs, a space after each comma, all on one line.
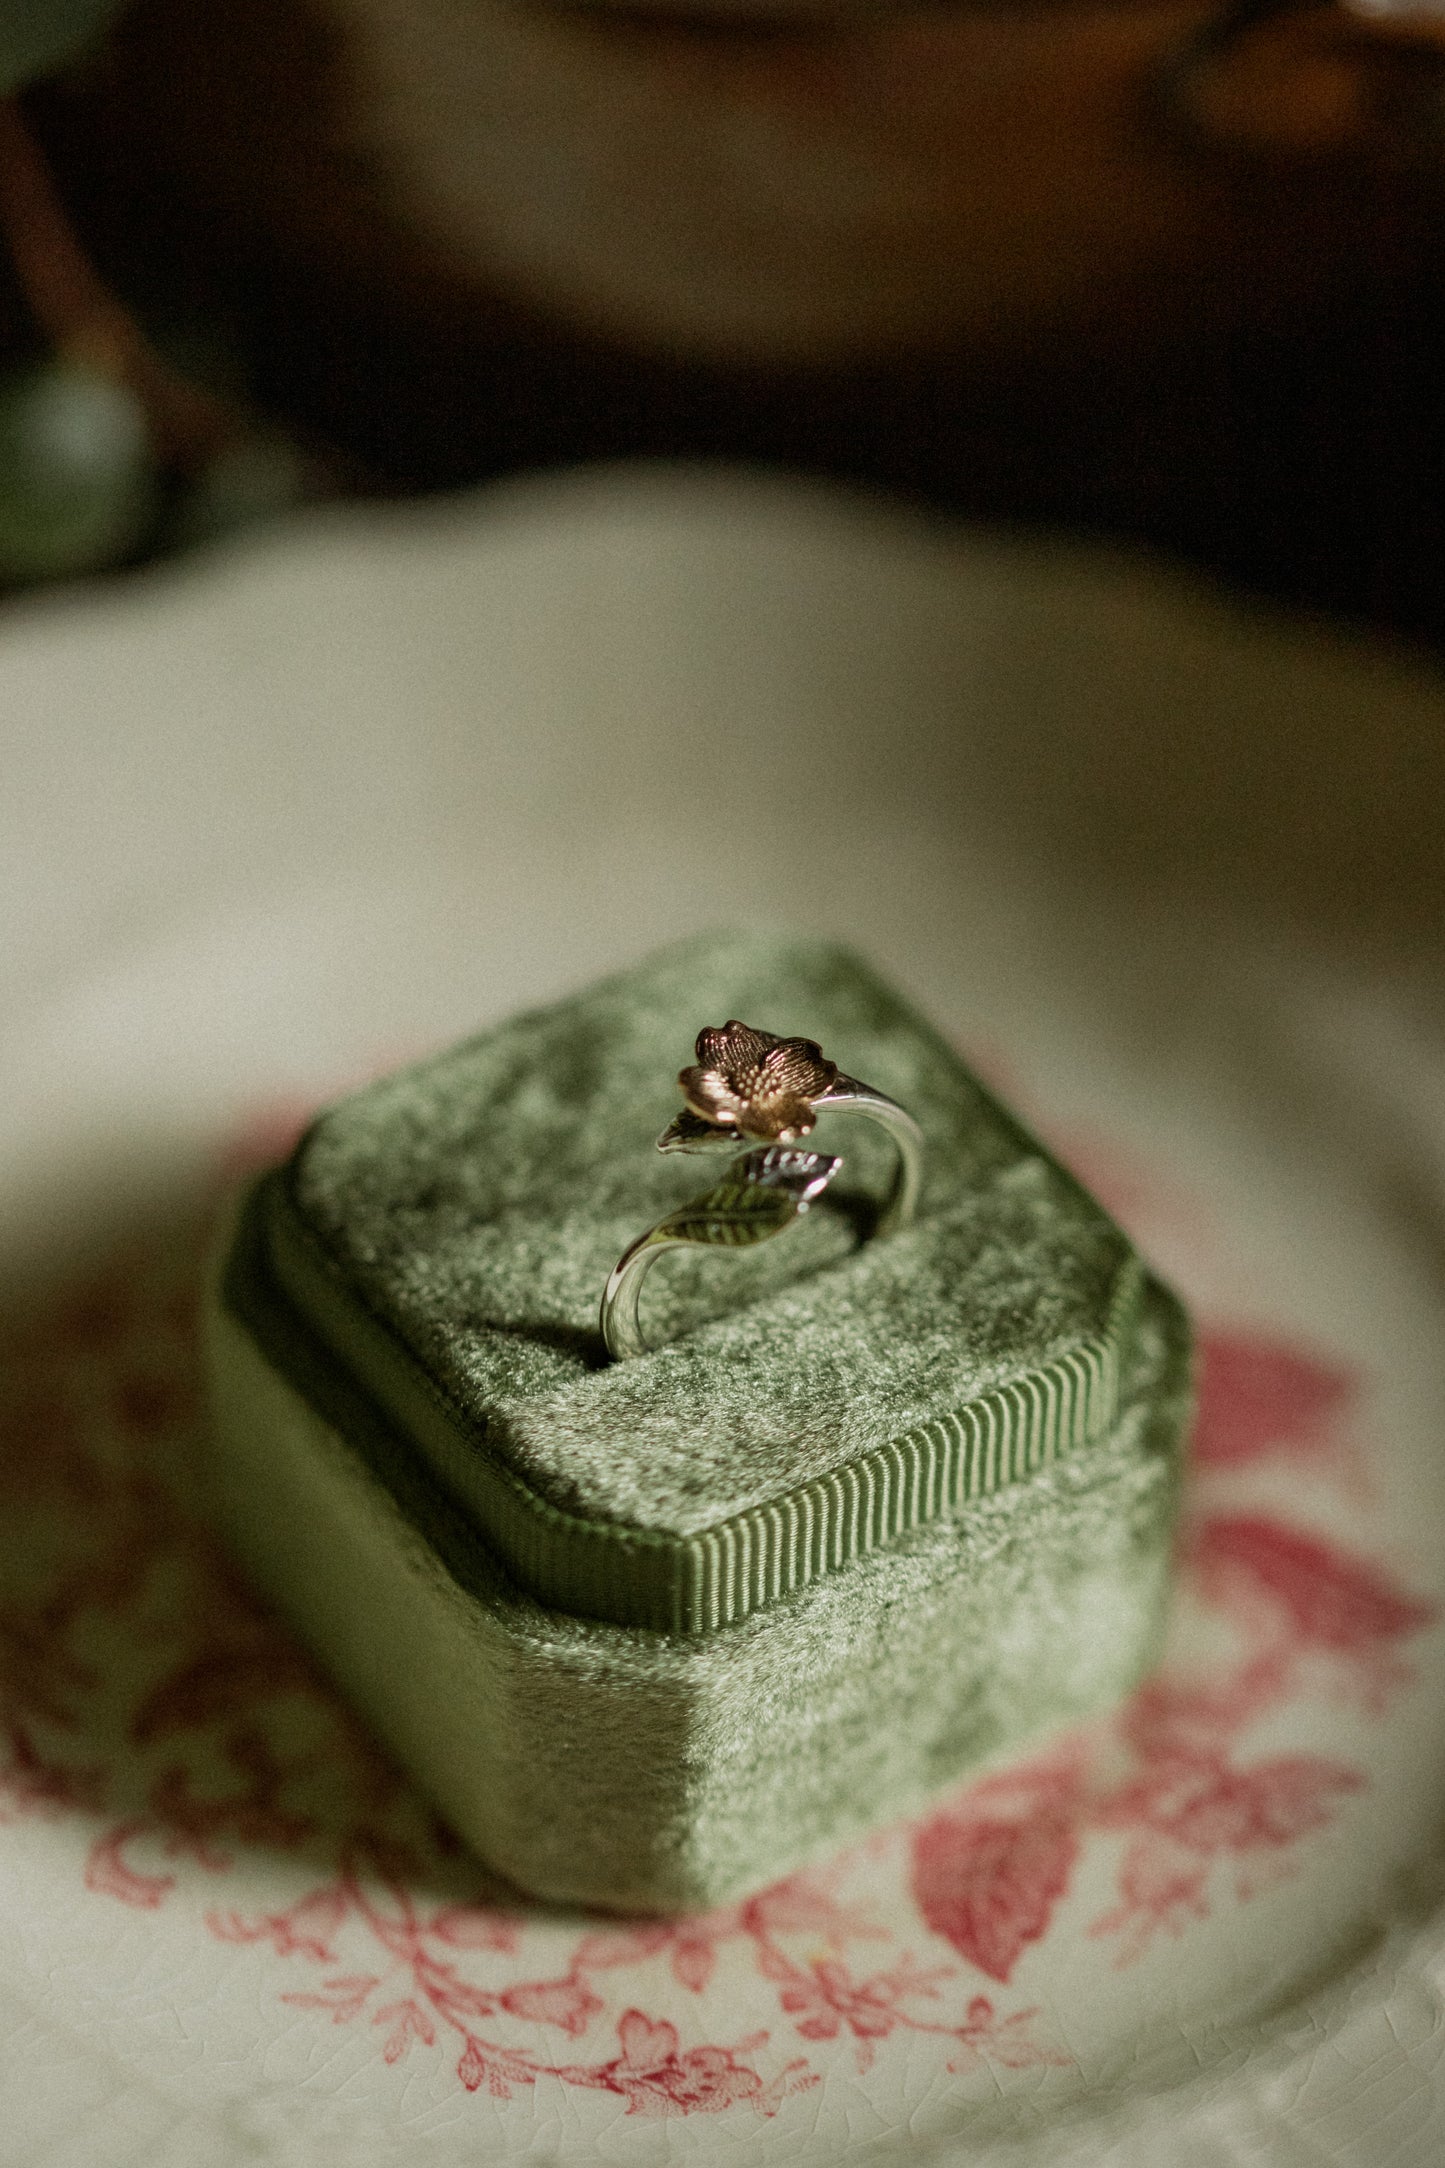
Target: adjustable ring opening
[[753, 1089]]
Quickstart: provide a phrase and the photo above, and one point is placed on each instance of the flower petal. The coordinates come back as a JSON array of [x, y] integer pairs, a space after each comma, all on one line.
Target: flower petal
[[797, 1065], [736, 1046], [711, 1096]]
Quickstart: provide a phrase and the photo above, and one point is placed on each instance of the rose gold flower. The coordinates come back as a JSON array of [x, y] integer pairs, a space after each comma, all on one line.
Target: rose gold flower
[[755, 1083]]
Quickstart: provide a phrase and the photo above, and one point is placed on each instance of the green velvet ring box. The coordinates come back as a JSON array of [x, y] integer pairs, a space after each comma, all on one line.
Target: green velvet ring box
[[653, 1632]]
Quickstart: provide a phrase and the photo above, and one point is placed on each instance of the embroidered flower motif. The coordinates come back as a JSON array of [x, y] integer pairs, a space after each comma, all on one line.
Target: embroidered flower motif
[[233, 1741], [755, 1084], [657, 2080]]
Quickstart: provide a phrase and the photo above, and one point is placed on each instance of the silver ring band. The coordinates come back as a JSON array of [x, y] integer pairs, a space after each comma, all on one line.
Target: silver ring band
[[766, 1093]]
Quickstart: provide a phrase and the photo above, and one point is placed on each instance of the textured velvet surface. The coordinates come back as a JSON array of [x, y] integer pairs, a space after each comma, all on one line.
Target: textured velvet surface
[[641, 1771], [464, 1215], [476, 1203]]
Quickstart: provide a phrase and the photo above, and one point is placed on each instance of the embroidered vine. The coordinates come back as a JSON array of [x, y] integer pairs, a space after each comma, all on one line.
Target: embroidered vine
[[143, 1690]]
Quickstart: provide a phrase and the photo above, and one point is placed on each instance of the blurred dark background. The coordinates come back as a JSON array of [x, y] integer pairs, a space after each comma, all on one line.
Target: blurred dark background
[[1107, 269]]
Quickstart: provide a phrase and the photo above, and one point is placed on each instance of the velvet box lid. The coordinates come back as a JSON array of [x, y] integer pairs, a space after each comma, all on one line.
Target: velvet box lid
[[960, 1441]]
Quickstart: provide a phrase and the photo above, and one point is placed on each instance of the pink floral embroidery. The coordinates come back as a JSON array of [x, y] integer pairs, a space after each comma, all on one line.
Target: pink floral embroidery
[[1310, 1599], [988, 1874], [568, 2002], [142, 1690], [343, 1999], [407, 2021], [108, 1872], [1187, 1813], [1258, 1397], [658, 2079]]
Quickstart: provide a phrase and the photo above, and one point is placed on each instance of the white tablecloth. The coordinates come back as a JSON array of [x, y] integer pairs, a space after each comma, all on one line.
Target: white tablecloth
[[1167, 868]]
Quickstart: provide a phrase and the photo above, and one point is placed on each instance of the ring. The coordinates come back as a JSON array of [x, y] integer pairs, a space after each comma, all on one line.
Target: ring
[[752, 1088]]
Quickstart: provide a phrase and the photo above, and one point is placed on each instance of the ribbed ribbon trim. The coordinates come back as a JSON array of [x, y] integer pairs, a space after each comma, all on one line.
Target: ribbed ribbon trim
[[715, 1576]]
